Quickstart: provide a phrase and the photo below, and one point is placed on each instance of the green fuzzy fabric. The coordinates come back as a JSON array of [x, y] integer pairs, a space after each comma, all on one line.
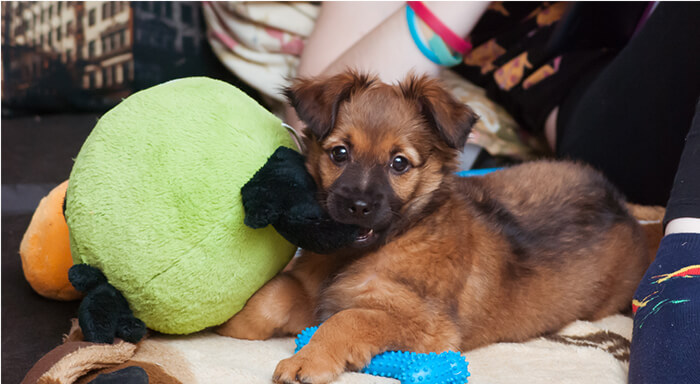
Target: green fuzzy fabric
[[154, 202]]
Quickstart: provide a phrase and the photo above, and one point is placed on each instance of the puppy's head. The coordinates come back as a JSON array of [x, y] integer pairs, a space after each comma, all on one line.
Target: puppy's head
[[379, 153]]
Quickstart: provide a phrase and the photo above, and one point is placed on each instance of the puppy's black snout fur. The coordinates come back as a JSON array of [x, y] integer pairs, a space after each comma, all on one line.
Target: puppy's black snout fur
[[359, 208], [359, 196]]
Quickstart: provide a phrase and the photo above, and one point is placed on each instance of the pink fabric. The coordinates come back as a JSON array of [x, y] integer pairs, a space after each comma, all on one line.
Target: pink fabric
[[227, 40]]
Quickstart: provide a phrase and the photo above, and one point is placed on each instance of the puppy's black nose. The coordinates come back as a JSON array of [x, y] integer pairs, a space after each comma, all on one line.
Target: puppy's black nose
[[359, 208]]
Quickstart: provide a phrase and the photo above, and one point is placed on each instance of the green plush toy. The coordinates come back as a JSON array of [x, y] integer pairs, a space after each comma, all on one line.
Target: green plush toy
[[154, 202]]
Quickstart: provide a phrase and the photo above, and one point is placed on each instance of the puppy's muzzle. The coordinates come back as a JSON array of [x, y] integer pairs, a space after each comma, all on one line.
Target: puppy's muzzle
[[359, 209]]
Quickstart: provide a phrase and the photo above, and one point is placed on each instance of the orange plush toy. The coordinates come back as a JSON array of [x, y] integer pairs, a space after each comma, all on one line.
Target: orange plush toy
[[45, 249]]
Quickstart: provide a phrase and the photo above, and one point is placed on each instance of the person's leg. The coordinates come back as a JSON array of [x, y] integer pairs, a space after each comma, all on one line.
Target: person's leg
[[666, 336], [631, 120]]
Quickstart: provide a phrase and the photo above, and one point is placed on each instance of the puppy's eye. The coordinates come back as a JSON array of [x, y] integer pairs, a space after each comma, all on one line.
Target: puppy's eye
[[339, 154], [400, 164]]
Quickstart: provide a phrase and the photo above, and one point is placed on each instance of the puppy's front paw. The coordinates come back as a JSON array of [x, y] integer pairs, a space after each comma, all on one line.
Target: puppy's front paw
[[304, 368]]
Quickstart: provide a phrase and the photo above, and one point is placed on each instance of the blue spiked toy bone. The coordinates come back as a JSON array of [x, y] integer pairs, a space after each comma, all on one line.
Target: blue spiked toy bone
[[410, 367]]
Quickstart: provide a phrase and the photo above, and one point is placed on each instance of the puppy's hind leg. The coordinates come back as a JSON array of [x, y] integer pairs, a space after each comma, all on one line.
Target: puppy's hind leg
[[280, 307]]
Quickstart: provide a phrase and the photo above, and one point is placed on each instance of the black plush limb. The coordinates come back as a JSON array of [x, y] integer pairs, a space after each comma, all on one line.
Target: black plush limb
[[130, 328], [279, 185], [96, 317], [320, 235], [104, 313], [282, 193], [84, 277]]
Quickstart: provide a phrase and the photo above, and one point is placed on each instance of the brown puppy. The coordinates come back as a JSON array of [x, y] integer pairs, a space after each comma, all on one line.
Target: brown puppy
[[444, 263]]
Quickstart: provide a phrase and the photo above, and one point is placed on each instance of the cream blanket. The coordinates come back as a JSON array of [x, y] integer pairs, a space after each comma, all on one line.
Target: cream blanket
[[582, 352]]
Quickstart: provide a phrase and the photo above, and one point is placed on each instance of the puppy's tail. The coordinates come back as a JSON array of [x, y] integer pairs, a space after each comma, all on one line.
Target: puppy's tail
[[650, 217]]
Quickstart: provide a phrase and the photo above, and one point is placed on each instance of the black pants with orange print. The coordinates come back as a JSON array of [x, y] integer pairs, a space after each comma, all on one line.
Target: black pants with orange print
[[624, 76]]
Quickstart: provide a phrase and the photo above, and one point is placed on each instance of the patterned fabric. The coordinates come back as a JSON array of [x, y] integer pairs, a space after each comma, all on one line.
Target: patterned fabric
[[527, 64], [582, 353], [261, 44], [666, 333], [495, 131]]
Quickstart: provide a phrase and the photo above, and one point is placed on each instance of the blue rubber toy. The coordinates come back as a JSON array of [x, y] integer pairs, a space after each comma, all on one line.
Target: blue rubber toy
[[410, 367], [477, 172]]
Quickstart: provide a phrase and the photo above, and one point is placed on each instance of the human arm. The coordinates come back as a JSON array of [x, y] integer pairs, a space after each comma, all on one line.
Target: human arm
[[387, 49]]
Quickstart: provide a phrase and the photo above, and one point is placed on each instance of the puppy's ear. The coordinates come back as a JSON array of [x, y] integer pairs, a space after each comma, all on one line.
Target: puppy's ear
[[316, 101], [452, 119]]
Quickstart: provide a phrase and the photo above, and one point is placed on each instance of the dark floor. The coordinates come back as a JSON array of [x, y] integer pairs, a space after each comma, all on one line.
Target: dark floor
[[37, 154]]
